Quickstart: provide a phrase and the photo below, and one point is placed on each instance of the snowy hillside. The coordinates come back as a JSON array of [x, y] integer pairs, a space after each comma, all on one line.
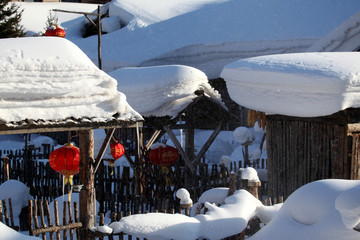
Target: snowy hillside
[[206, 34]]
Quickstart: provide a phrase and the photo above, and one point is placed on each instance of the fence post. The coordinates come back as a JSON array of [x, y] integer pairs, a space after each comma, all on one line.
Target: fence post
[[253, 188], [6, 168], [232, 182]]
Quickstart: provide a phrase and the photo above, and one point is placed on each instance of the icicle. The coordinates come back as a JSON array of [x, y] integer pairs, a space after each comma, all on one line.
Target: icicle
[[138, 139], [181, 135], [63, 186]]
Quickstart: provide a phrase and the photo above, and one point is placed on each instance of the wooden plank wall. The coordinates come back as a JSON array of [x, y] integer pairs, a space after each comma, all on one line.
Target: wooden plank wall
[[302, 151]]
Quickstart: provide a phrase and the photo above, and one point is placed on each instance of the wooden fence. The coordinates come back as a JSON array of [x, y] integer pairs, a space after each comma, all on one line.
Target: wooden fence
[[115, 187], [50, 226]]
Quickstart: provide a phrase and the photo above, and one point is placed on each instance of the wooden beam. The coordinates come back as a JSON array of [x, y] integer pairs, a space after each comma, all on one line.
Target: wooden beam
[[63, 127], [105, 144], [54, 228], [180, 149], [152, 139], [66, 11], [208, 143], [87, 193]]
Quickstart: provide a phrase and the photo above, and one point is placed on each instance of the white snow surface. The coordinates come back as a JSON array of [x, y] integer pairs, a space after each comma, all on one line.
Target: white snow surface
[[250, 174], [310, 213], [184, 196], [343, 38], [217, 223], [50, 78], [314, 211], [243, 135], [303, 84], [208, 34], [10, 234], [18, 192], [164, 90]]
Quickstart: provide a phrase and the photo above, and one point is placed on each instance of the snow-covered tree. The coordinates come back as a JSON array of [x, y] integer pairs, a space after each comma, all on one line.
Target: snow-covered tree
[[10, 17]]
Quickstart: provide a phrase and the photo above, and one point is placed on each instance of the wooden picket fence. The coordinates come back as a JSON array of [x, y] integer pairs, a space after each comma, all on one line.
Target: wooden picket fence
[[43, 224], [6, 214], [115, 187]]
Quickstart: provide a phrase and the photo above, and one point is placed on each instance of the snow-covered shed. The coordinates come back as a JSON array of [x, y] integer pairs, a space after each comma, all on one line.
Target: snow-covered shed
[[49, 84], [174, 97], [312, 107]]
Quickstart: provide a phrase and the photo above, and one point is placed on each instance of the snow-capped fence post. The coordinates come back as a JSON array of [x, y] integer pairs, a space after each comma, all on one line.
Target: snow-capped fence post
[[185, 201], [253, 188]]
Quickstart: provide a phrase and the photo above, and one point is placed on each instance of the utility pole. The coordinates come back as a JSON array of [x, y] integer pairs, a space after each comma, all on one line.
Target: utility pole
[[98, 26]]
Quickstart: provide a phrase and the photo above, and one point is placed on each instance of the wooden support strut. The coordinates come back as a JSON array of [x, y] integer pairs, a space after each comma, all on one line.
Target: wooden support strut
[[152, 139], [208, 143], [180, 149], [105, 144]]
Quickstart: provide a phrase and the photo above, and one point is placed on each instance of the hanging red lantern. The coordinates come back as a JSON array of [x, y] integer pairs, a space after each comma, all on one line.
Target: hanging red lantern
[[117, 150], [55, 31], [163, 155], [65, 160]]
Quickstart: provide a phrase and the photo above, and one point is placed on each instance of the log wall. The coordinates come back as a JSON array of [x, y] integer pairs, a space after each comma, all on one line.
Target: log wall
[[302, 150]]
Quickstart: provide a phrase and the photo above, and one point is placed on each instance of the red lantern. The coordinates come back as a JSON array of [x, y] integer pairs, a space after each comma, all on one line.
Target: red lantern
[[65, 160], [55, 31], [117, 150], [163, 155]]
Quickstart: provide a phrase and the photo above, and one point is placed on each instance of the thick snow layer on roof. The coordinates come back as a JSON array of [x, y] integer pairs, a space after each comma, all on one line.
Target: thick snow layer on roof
[[210, 34], [162, 90], [304, 84], [50, 78]]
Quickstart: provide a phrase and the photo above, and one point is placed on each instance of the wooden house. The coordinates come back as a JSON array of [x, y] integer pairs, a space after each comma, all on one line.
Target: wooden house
[[311, 102], [59, 89]]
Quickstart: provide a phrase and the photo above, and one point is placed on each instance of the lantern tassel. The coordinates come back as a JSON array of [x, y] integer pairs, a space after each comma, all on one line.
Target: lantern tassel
[[112, 165], [165, 170], [69, 179]]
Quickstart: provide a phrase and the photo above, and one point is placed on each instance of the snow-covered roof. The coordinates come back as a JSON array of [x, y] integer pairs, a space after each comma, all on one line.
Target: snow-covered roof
[[162, 90], [49, 80], [303, 84], [346, 37], [205, 34], [208, 34]]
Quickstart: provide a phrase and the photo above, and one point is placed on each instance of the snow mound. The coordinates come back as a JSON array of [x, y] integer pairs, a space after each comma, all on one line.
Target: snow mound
[[18, 192], [184, 196], [310, 213], [243, 135], [10, 234], [168, 89], [348, 205], [158, 226], [303, 84], [249, 174]]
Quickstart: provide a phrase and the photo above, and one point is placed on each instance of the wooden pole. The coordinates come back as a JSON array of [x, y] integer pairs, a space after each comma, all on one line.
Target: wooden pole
[[87, 193], [99, 38]]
